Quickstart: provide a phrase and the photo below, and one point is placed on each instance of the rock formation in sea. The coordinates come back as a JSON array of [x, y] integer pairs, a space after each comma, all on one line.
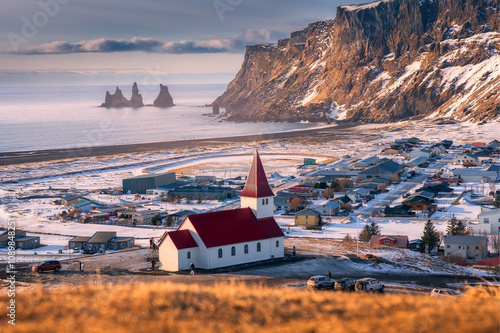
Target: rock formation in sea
[[136, 100], [215, 109], [164, 99], [116, 100]]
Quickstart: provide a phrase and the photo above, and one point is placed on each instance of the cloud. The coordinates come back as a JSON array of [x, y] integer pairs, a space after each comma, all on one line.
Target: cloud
[[151, 45]]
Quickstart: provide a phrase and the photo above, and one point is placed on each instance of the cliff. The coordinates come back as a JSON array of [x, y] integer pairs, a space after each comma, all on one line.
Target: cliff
[[379, 62]]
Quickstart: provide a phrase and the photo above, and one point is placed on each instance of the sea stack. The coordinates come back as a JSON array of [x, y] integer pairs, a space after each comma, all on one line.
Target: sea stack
[[215, 109], [164, 99], [116, 100], [136, 100]]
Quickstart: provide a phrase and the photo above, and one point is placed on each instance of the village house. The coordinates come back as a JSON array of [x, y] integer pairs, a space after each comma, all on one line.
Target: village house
[[101, 240], [21, 240], [308, 217], [420, 153], [69, 199], [471, 248], [469, 175], [388, 170], [466, 159], [399, 210], [335, 175], [488, 222], [417, 161], [363, 164], [327, 208], [141, 217], [230, 237], [390, 240]]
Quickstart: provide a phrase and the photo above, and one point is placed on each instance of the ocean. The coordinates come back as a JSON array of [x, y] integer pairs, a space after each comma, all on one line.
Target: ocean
[[36, 118]]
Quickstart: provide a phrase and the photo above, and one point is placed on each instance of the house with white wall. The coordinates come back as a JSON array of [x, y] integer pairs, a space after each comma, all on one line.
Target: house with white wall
[[227, 238]]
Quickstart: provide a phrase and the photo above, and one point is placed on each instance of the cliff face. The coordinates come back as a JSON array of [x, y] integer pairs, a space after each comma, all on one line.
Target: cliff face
[[379, 62]]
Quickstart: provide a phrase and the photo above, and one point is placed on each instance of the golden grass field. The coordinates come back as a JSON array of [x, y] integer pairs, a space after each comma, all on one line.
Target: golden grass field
[[234, 307]]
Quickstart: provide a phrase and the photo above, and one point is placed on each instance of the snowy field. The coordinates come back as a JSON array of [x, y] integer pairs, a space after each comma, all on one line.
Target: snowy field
[[27, 191]]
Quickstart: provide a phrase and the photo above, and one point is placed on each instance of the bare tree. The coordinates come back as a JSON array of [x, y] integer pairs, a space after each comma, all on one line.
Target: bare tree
[[295, 203], [494, 241]]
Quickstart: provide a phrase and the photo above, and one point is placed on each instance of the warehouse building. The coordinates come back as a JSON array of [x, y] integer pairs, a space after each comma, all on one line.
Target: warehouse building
[[140, 184]]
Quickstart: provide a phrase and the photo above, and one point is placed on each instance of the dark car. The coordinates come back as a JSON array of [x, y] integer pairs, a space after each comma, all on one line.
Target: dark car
[[50, 265], [346, 284]]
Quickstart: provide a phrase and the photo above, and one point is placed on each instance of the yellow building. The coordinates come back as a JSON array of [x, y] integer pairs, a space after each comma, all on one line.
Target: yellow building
[[307, 217]]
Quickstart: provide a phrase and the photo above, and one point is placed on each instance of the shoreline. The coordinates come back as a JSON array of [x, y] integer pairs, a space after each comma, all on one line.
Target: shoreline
[[33, 156]]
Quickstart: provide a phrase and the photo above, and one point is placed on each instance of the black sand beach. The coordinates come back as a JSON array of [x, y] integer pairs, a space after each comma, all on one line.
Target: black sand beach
[[19, 157]]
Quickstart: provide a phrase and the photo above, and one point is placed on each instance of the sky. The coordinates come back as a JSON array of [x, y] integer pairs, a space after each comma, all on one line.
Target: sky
[[74, 42]]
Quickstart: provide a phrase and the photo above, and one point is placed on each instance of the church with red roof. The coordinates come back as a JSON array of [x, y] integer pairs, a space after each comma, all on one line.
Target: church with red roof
[[230, 237]]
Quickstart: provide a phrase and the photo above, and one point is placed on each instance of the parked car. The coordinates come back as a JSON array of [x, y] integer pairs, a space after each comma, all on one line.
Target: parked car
[[369, 285], [445, 293], [50, 265], [320, 282], [346, 284]]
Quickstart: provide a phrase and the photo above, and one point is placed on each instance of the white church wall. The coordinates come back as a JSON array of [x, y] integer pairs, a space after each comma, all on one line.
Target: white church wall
[[168, 256], [202, 249]]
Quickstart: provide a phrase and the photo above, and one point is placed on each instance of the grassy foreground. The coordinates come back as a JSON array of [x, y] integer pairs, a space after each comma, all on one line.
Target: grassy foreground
[[230, 307]]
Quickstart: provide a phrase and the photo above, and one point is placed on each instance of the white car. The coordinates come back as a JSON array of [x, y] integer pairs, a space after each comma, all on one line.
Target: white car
[[369, 285], [445, 293], [320, 282]]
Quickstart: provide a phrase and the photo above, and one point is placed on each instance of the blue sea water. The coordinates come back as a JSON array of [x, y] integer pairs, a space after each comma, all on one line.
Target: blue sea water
[[34, 118]]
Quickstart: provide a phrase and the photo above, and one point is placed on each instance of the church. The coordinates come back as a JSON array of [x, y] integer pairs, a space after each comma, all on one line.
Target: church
[[230, 237]]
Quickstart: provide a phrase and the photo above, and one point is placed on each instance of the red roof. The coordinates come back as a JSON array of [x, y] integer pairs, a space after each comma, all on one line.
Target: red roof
[[182, 239], [232, 226], [256, 185], [495, 262]]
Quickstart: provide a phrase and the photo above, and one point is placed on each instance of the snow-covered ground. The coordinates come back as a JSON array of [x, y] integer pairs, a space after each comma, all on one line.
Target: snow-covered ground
[[27, 191]]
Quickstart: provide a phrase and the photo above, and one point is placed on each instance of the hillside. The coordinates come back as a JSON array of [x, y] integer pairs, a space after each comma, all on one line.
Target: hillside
[[379, 62], [165, 307]]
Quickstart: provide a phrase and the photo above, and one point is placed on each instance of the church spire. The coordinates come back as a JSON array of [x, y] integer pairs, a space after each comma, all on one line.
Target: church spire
[[256, 185]]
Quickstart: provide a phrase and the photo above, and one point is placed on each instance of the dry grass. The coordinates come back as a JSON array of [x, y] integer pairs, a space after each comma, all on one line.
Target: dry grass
[[233, 307]]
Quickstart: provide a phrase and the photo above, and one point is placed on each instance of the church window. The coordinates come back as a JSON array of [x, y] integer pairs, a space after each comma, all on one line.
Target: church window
[[267, 201], [233, 251], [220, 253], [277, 243], [189, 254], [258, 247], [246, 249], [263, 202]]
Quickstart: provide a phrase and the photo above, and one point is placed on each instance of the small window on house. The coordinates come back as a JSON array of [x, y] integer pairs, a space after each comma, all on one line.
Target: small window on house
[[245, 249], [459, 247], [189, 255], [258, 247], [477, 247], [267, 201], [386, 242], [233, 251], [486, 220], [263, 201], [277, 243], [447, 246], [220, 253]]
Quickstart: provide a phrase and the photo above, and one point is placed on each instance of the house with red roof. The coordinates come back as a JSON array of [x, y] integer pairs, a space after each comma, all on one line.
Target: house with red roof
[[390, 240], [231, 237]]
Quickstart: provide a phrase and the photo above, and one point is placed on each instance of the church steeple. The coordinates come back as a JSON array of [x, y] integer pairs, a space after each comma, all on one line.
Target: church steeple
[[257, 193], [256, 185]]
